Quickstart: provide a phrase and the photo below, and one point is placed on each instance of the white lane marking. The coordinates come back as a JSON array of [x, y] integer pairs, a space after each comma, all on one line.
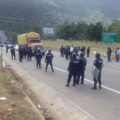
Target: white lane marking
[[108, 88]]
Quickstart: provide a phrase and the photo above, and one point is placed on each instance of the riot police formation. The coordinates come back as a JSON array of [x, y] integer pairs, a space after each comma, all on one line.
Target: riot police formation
[[48, 60], [98, 64], [76, 58], [12, 50]]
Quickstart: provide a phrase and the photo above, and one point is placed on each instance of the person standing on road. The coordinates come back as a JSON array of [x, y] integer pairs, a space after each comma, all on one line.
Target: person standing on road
[[7, 49], [29, 53], [88, 52], [109, 52], [12, 50], [20, 54], [62, 51], [38, 56], [48, 60], [81, 70], [98, 64], [118, 54], [73, 70]]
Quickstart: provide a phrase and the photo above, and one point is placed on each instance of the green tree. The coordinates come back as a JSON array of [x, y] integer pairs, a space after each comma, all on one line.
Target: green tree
[[81, 30], [98, 31], [37, 28], [91, 32]]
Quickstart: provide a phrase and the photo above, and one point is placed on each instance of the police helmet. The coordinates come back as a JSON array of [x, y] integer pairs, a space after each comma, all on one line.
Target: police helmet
[[82, 54], [49, 51], [97, 55]]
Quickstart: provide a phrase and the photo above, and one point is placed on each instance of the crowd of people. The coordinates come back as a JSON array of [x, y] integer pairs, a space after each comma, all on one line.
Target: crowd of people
[[38, 53], [77, 61], [77, 65]]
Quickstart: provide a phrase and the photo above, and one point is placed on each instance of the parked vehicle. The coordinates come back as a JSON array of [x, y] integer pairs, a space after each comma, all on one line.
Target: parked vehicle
[[31, 40]]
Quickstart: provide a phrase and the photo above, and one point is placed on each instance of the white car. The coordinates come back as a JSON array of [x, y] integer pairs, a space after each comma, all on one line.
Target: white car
[[16, 47], [9, 45]]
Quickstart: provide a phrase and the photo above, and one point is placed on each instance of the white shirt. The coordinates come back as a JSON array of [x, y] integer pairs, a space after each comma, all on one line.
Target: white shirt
[[118, 52]]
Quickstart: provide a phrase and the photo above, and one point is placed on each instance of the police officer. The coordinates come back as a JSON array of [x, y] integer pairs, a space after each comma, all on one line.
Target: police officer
[[73, 69], [48, 60], [62, 51], [29, 53], [81, 70], [98, 63], [12, 50], [38, 56], [20, 54]]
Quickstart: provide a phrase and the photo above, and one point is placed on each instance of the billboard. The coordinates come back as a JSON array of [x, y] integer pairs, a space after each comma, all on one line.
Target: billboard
[[48, 31]]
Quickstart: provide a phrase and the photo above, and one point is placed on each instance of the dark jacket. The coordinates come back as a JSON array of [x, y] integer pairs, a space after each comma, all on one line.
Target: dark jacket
[[49, 57], [98, 63], [73, 65]]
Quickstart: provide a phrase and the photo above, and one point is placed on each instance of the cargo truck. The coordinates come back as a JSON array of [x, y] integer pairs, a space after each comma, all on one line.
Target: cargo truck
[[31, 40]]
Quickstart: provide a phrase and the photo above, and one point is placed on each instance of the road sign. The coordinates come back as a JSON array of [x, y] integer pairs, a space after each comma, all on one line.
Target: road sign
[[48, 31], [109, 37]]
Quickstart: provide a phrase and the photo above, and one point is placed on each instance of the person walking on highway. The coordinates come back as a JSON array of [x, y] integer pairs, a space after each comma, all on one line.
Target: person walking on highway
[[38, 56], [12, 50], [98, 64], [109, 52], [73, 70], [48, 60], [81, 70]]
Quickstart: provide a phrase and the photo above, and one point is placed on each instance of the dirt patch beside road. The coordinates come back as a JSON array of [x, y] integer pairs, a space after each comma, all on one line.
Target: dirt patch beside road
[[16, 106]]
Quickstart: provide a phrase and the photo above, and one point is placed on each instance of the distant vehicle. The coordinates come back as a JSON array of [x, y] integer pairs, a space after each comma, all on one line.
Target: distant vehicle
[[16, 47], [8, 43], [31, 40]]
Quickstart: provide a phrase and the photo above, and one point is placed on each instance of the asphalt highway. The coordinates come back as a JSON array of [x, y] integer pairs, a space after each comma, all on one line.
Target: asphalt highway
[[101, 104]]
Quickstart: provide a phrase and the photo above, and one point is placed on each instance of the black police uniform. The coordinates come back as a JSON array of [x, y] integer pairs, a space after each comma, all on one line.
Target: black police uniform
[[98, 63], [29, 54], [48, 60], [38, 56], [73, 70], [13, 53], [20, 54], [81, 70]]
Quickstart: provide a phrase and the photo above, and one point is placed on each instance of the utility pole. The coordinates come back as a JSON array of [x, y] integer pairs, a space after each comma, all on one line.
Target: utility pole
[[3, 38]]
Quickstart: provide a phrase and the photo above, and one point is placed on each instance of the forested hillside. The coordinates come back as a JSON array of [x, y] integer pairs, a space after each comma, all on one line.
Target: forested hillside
[[20, 15]]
